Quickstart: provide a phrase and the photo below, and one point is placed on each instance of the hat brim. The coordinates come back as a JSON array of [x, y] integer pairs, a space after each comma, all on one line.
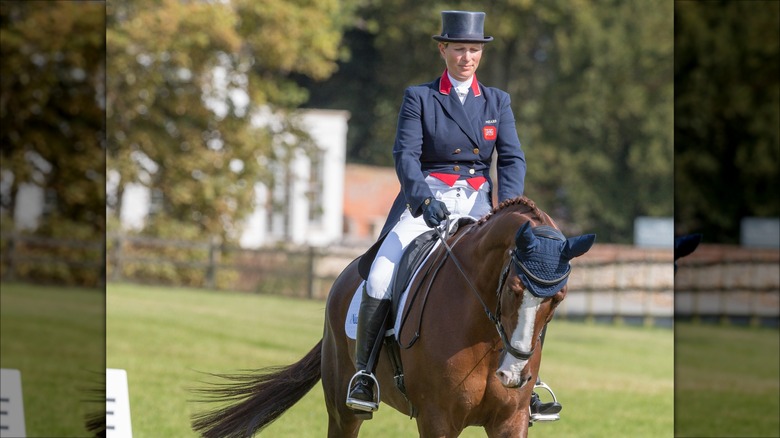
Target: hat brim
[[443, 39]]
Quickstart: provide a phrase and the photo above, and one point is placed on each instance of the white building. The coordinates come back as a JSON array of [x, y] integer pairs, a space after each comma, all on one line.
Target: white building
[[308, 209], [305, 206]]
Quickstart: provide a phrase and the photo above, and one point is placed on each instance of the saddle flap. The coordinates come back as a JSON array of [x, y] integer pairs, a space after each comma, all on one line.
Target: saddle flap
[[413, 257]]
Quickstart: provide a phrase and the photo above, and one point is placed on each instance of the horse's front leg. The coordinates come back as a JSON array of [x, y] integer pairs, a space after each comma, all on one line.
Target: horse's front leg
[[434, 424], [515, 426], [511, 415]]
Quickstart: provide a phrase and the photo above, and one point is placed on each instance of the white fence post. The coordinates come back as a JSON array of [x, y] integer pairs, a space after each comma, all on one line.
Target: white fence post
[[11, 404], [118, 423]]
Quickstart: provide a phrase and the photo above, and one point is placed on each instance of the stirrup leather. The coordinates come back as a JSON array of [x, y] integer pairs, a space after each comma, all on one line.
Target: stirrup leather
[[544, 417], [362, 405]]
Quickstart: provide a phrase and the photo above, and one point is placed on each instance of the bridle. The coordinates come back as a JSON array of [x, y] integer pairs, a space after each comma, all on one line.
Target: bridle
[[494, 317]]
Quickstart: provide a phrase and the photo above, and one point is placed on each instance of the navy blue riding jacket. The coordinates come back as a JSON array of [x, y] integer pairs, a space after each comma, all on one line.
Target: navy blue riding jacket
[[436, 133]]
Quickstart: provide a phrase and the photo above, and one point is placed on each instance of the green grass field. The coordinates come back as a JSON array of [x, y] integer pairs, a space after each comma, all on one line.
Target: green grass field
[[613, 381], [727, 382], [55, 337]]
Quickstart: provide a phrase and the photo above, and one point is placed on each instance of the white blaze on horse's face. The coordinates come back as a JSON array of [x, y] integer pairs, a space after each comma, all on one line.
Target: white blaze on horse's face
[[510, 369]]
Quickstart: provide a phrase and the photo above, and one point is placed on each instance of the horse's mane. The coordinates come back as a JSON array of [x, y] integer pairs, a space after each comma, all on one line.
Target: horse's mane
[[541, 216]]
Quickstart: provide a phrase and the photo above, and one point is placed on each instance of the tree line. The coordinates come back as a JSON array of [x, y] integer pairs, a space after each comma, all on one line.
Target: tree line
[[624, 109], [727, 115]]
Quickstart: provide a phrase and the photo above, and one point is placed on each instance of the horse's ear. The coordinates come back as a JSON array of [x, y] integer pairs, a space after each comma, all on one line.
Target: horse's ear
[[685, 245], [525, 239], [577, 246]]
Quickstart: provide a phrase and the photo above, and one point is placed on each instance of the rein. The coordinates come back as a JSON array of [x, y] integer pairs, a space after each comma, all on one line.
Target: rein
[[495, 318]]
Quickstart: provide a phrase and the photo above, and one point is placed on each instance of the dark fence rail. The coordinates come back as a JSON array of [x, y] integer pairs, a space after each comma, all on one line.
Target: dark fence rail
[[49, 260], [302, 272]]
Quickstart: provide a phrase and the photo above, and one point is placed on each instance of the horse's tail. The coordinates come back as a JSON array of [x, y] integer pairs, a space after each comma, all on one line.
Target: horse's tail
[[257, 398]]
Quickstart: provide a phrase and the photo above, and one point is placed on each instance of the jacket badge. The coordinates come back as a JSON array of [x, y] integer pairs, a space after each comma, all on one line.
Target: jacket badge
[[489, 132]]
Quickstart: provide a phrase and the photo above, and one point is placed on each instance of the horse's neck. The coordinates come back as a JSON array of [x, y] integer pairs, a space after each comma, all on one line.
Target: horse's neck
[[494, 238], [498, 232]]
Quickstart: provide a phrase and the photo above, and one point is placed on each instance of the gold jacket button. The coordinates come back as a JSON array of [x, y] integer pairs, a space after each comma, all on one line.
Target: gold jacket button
[[476, 151], [457, 151], [456, 168], [471, 171]]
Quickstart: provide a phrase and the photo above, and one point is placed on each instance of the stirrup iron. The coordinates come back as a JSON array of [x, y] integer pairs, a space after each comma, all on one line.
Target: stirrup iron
[[544, 417], [362, 405]]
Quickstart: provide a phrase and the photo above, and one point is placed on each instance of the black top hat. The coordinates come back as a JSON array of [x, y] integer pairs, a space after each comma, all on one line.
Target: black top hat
[[462, 27]]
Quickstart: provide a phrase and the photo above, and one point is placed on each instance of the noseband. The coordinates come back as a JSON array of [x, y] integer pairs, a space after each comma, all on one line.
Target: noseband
[[495, 318]]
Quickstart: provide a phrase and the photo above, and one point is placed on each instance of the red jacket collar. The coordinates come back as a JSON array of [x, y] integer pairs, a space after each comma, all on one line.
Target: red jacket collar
[[445, 86]]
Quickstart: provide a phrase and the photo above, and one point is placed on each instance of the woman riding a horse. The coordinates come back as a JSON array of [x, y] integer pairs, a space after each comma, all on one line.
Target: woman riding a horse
[[447, 132]]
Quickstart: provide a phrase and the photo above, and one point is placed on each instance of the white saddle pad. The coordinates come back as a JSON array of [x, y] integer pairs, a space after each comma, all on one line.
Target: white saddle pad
[[350, 325]]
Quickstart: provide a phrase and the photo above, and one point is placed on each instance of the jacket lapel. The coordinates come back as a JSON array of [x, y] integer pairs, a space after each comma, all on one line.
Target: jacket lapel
[[475, 106], [452, 106]]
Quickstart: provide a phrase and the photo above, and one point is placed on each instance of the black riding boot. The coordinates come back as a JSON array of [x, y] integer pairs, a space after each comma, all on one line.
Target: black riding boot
[[544, 411], [371, 318]]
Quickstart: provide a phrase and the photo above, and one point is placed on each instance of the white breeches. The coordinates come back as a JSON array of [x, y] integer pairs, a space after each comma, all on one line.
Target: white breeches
[[461, 200]]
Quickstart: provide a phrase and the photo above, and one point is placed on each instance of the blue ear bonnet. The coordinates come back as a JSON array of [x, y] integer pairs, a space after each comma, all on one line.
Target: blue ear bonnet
[[542, 257]]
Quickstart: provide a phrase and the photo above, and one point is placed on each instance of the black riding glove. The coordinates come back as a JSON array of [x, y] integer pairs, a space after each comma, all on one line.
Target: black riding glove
[[434, 212]]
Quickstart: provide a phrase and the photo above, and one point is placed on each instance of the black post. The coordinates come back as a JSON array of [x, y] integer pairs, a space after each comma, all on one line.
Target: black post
[[9, 257], [104, 263], [212, 268], [116, 259], [310, 269]]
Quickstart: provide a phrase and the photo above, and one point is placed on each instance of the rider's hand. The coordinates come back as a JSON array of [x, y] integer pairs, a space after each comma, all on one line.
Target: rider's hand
[[434, 212]]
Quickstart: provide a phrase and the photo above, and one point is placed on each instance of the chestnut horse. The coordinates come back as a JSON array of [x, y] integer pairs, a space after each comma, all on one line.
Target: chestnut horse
[[456, 374]]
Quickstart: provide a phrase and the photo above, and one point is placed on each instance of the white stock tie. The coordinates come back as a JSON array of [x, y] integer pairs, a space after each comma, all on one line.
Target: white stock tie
[[462, 93]]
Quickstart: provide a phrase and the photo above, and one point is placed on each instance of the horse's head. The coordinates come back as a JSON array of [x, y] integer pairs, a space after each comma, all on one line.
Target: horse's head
[[536, 285]]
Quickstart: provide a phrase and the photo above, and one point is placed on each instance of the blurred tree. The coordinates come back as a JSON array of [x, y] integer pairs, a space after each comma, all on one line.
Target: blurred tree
[[51, 110], [185, 81], [599, 135], [727, 115], [591, 87]]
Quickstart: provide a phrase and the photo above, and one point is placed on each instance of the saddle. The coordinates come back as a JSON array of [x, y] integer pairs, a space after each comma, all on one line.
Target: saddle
[[413, 257]]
